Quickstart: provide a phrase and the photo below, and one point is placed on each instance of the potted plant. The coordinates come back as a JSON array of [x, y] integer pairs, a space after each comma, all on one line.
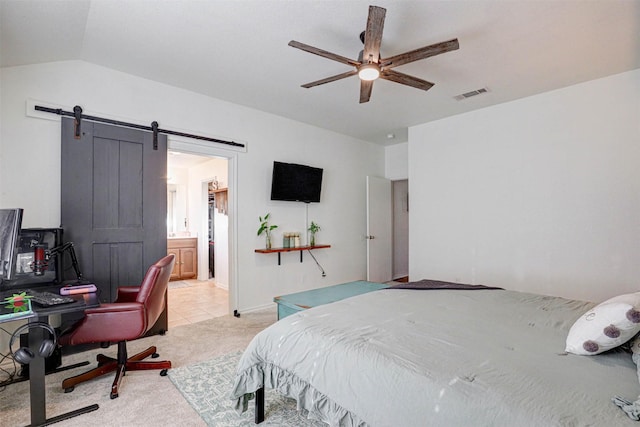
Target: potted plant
[[266, 228], [313, 229]]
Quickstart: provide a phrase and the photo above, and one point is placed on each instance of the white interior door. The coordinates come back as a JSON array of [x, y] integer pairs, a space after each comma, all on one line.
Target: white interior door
[[379, 229]]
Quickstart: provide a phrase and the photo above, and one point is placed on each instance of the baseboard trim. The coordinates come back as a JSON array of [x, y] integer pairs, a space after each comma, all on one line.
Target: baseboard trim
[[257, 308]]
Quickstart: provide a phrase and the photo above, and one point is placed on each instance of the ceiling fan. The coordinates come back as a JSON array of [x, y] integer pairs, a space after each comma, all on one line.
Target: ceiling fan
[[369, 65]]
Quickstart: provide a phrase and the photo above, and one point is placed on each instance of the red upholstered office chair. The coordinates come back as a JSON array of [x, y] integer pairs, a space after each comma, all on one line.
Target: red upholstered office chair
[[134, 312]]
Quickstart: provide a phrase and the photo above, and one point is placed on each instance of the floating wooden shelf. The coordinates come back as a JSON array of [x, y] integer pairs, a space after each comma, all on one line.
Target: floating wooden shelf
[[300, 249]]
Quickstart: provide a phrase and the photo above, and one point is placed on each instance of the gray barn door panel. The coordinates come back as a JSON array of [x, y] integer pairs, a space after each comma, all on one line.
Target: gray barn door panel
[[114, 202]]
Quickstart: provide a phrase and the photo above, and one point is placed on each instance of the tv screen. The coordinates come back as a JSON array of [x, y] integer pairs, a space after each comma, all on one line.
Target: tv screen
[[296, 183]]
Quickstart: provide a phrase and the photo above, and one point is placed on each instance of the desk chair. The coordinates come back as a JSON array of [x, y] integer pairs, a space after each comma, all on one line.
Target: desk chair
[[134, 312]]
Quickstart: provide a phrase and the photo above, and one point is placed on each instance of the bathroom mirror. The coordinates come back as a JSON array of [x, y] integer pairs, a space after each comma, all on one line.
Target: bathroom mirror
[[176, 209]]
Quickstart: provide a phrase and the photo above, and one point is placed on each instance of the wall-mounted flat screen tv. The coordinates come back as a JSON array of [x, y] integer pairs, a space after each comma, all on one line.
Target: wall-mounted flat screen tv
[[296, 183]]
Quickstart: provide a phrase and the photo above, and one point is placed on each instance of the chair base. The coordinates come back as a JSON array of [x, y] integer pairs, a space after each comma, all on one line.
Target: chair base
[[121, 365]]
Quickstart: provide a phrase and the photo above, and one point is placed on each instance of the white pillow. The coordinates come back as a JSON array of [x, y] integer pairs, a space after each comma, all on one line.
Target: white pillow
[[609, 324]]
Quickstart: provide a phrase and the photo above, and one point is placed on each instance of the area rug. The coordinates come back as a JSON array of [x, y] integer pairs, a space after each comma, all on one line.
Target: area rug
[[206, 386], [179, 284]]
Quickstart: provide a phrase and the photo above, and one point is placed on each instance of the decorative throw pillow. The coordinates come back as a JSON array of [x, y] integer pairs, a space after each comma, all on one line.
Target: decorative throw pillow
[[607, 325]]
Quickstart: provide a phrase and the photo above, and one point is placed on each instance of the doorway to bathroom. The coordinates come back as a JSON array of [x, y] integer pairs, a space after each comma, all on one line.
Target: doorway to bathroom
[[198, 234]]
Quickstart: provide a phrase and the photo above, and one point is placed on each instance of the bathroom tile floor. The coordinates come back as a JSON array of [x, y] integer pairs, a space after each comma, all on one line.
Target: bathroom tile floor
[[192, 301]]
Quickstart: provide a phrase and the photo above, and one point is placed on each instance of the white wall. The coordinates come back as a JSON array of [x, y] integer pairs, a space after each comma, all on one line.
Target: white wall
[[396, 161], [2, 195], [221, 252], [541, 194], [198, 176], [30, 166]]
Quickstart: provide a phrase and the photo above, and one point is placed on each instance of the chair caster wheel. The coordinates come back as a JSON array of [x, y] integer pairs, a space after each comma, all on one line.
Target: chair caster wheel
[[69, 389], [114, 395], [163, 373], [155, 355]]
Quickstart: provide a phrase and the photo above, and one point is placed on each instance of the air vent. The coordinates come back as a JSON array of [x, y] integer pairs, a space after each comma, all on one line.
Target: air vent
[[471, 94]]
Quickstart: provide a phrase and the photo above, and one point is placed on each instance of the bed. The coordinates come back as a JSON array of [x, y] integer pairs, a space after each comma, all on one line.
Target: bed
[[446, 357]]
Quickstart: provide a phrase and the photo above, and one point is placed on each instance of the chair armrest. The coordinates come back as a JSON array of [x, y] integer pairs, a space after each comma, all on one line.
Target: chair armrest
[[113, 308], [111, 322], [127, 293]]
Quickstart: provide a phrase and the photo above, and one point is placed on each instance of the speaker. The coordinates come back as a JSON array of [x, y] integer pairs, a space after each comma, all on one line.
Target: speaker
[[25, 355]]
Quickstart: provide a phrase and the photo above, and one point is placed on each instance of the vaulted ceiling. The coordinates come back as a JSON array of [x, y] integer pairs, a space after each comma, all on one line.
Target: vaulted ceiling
[[236, 50]]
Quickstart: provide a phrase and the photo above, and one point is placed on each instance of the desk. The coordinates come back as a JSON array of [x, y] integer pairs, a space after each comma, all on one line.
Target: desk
[[37, 390]]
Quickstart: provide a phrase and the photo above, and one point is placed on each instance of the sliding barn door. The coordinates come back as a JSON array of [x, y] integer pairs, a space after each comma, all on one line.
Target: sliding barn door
[[114, 202]]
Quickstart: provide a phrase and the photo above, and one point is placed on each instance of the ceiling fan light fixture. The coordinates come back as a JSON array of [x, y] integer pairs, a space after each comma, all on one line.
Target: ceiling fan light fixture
[[369, 72]]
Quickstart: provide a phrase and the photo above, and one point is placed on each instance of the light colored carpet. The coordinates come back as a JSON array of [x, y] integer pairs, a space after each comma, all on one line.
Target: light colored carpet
[[146, 398], [206, 387]]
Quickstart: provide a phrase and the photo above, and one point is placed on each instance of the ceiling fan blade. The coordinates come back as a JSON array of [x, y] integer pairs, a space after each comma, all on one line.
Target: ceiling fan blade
[[323, 53], [365, 90], [330, 79], [421, 53], [373, 34], [405, 79]]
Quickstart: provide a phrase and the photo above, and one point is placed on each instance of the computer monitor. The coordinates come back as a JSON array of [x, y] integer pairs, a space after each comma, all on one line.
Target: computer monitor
[[10, 224]]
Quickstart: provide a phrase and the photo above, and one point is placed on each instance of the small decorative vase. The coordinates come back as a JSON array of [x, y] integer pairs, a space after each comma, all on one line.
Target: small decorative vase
[[268, 242], [313, 240]]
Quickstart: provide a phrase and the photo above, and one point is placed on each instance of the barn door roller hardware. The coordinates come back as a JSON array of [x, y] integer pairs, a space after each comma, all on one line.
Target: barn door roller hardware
[[77, 113], [78, 116], [154, 129]]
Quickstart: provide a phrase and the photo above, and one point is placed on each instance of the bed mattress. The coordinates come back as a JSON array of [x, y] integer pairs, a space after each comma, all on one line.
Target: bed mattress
[[439, 358]]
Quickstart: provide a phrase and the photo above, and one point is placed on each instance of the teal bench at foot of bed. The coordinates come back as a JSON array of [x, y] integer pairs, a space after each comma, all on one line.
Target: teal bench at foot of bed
[[293, 303]]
